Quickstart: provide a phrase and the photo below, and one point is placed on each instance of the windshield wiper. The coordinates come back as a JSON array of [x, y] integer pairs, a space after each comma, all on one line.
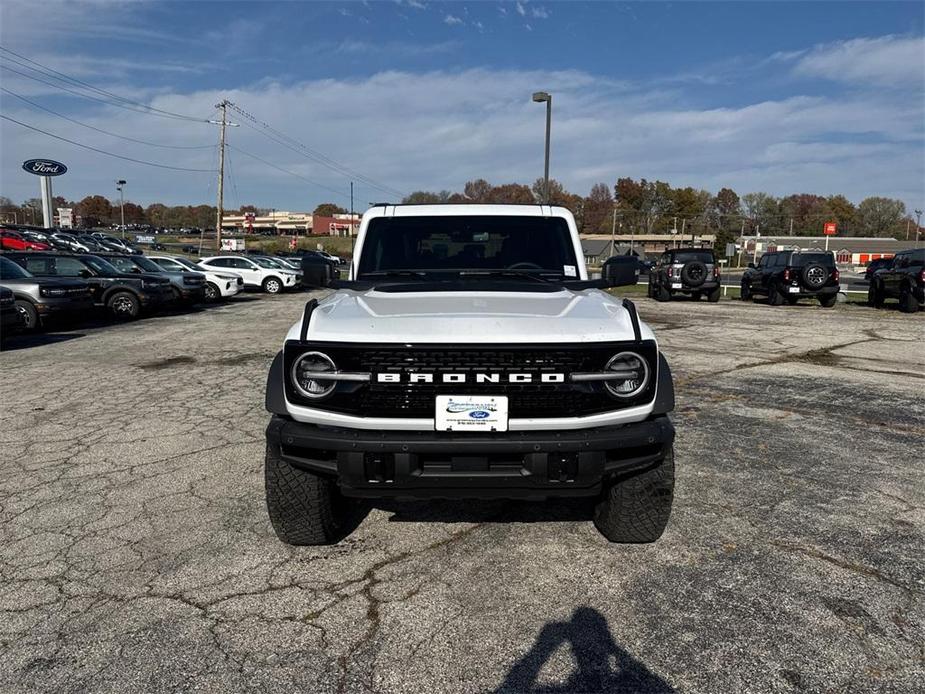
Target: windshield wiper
[[394, 273], [533, 276]]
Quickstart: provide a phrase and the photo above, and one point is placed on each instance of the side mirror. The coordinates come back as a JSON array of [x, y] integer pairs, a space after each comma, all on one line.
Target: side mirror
[[316, 271], [620, 271], [751, 265]]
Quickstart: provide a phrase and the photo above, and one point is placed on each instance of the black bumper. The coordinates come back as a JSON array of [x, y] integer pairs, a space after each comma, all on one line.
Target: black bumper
[[521, 465]]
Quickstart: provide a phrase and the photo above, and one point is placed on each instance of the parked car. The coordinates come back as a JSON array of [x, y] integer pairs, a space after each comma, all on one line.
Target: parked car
[[219, 285], [788, 276], [71, 242], [14, 241], [192, 250], [692, 271], [38, 299], [904, 279], [874, 265], [188, 287], [123, 295], [114, 243], [11, 320], [256, 272]]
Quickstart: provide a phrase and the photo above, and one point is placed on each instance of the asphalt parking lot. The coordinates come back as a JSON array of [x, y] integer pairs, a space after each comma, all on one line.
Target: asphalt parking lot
[[137, 555]]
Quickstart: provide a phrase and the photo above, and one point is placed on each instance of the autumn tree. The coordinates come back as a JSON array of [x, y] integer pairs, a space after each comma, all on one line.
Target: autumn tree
[[512, 194], [807, 212], [421, 197], [841, 210], [328, 209], [881, 216], [94, 210], [477, 191], [598, 209]]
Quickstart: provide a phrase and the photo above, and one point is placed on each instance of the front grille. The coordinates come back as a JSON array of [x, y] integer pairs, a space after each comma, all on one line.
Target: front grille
[[417, 400]]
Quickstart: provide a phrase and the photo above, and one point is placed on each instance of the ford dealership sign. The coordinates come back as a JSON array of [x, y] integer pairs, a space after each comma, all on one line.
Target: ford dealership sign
[[44, 167]]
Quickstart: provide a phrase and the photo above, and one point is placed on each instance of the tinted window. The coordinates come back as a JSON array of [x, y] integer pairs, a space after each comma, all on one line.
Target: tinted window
[[686, 257], [39, 265], [168, 264], [804, 259], [11, 271], [454, 243], [123, 264], [100, 265], [240, 263], [917, 257], [68, 267]]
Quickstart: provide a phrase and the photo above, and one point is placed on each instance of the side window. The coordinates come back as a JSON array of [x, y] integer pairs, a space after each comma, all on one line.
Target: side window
[[38, 266], [68, 267], [216, 262], [663, 259], [168, 264], [902, 261], [242, 263], [765, 259]]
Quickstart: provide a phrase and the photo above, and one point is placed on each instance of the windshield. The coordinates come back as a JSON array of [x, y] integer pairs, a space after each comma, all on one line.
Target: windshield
[[100, 265], [147, 265], [186, 263], [11, 271], [439, 244]]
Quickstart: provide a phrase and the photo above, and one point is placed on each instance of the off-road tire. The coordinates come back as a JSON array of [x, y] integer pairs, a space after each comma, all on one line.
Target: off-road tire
[[304, 508], [814, 276], [694, 273], [662, 294], [212, 292], [124, 306], [713, 296], [696, 296], [272, 285], [907, 301], [827, 300], [636, 508], [875, 295], [30, 315], [792, 300], [775, 298]]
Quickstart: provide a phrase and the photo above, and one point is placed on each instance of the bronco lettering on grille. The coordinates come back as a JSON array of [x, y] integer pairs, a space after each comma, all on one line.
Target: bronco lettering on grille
[[478, 378]]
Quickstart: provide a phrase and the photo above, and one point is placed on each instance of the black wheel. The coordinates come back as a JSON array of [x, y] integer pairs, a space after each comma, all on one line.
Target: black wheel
[[304, 508], [828, 300], [696, 296], [792, 300], [694, 273], [814, 276], [271, 285], [124, 306], [875, 295], [745, 291], [213, 293], [907, 301], [713, 296], [636, 508], [775, 298], [30, 317]]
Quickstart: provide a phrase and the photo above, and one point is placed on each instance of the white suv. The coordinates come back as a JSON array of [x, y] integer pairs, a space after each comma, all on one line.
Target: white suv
[[219, 285], [257, 272]]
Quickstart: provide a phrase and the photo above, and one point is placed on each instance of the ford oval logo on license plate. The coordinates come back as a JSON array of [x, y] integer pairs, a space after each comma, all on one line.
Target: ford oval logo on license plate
[[479, 414]]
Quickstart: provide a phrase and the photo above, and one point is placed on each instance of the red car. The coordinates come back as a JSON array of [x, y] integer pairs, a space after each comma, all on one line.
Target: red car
[[11, 241]]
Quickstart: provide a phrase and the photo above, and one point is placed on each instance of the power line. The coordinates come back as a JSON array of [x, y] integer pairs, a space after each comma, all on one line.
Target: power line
[[99, 130], [286, 171], [62, 77], [291, 143], [100, 151]]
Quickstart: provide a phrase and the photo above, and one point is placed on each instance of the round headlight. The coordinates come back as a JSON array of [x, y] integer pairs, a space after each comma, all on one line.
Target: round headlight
[[305, 373], [633, 374]]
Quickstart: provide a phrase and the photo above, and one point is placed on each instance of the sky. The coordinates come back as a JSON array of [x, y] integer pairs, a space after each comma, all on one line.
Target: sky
[[825, 97]]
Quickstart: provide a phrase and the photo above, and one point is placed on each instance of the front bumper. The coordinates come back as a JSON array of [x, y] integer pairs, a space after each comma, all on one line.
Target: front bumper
[[192, 294], [49, 306], [522, 465]]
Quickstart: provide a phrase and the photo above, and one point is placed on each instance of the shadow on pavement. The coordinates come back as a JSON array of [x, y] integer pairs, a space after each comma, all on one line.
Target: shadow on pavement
[[500, 511], [601, 665], [26, 340]]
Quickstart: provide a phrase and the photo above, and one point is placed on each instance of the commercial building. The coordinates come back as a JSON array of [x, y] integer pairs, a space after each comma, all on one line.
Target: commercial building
[[643, 244], [848, 250], [291, 223]]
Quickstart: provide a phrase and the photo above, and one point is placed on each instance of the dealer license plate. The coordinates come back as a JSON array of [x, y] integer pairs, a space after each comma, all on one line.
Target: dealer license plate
[[793, 290], [676, 285], [471, 413]]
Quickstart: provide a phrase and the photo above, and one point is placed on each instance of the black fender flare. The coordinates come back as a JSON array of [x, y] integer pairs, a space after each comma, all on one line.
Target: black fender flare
[[104, 299], [275, 401], [664, 389]]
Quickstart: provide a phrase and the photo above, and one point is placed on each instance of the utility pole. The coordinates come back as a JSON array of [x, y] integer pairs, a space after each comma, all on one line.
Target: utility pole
[[613, 234], [918, 227], [351, 209], [791, 226], [221, 170], [120, 184]]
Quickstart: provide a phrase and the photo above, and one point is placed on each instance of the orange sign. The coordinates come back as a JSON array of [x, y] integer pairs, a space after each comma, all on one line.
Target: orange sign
[[829, 229]]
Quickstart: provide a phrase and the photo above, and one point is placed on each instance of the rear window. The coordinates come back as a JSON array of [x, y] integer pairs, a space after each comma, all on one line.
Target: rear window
[[688, 256], [804, 259]]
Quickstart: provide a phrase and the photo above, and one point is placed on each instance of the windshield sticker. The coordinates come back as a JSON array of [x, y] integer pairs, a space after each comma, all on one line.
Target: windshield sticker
[[569, 271]]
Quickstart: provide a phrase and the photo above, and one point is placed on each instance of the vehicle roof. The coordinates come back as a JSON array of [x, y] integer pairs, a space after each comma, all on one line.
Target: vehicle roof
[[463, 210], [689, 250]]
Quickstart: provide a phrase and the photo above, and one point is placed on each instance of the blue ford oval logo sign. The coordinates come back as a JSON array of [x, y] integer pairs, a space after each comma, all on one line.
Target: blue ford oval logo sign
[[44, 167], [479, 414]]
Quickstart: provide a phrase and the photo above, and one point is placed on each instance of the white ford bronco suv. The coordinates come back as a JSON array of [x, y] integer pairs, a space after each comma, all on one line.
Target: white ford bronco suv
[[469, 356]]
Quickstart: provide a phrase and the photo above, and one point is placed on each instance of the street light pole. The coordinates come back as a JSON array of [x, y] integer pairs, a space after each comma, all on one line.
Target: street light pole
[[540, 97], [918, 227], [120, 184]]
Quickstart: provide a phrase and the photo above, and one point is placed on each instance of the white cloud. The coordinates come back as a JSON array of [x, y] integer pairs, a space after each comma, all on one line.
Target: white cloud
[[435, 130], [521, 10], [893, 60], [539, 12], [452, 19]]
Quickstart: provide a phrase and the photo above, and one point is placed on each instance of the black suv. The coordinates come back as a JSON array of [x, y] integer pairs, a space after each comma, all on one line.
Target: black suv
[[691, 271], [788, 276], [187, 287], [37, 299], [904, 279], [124, 295], [10, 319]]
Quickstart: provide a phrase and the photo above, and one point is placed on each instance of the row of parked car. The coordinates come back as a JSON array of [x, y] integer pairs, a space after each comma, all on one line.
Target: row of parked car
[[785, 277], [43, 285]]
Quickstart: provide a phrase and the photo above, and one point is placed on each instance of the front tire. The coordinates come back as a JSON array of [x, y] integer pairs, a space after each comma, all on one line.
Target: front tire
[[124, 306], [907, 301], [875, 295], [775, 298], [304, 508], [636, 507], [745, 292], [271, 285], [213, 293], [713, 296], [30, 316], [828, 300]]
